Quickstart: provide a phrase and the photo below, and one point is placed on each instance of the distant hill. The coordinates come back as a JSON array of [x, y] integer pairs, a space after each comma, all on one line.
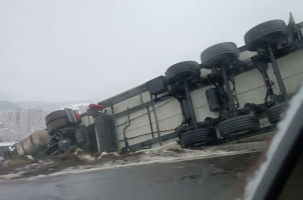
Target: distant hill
[[19, 119], [6, 105], [52, 106]]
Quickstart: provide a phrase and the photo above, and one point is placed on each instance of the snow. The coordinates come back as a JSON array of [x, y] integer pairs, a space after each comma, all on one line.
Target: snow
[[144, 160], [30, 157], [102, 154], [252, 185], [88, 158], [7, 144], [134, 159], [12, 176], [165, 154], [170, 146]]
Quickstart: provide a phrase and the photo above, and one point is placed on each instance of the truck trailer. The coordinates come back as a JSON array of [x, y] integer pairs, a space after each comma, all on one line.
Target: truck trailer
[[234, 92]]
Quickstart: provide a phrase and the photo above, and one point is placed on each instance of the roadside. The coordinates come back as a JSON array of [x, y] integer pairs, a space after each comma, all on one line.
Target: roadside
[[213, 178], [81, 163]]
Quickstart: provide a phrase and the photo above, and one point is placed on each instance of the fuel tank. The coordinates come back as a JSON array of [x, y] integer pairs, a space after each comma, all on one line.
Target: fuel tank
[[33, 143]]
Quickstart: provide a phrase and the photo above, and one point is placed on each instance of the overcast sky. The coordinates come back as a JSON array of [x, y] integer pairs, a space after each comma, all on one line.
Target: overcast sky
[[69, 50]]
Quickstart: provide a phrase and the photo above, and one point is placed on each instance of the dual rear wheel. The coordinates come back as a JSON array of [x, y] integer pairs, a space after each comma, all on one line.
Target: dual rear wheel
[[56, 120]]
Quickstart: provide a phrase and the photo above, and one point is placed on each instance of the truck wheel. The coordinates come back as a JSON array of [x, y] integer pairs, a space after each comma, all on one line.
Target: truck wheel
[[274, 113], [238, 124], [219, 54], [269, 32], [196, 137], [186, 70], [56, 124], [55, 115]]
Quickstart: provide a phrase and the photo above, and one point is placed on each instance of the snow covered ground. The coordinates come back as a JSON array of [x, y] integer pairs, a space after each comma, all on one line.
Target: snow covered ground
[[73, 164]]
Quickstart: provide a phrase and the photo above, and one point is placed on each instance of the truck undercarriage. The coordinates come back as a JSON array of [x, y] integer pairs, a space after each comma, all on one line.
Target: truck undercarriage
[[108, 127]]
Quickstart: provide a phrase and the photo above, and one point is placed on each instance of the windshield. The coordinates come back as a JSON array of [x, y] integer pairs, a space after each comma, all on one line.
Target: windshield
[[143, 99]]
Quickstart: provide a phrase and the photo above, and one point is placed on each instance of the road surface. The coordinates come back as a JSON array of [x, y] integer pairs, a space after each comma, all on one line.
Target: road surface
[[212, 178]]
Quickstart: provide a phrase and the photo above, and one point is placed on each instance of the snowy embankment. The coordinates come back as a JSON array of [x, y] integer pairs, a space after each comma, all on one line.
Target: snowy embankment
[[73, 164], [6, 144]]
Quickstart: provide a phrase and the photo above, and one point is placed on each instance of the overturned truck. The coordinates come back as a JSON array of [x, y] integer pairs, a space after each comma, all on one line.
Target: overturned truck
[[235, 92]]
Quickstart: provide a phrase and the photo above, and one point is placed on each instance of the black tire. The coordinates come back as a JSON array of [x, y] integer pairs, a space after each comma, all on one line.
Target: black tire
[[186, 70], [274, 113], [56, 124], [55, 115], [238, 124], [219, 54], [196, 137], [269, 32]]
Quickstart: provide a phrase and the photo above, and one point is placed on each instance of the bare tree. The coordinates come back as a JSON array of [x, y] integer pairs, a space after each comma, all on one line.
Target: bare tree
[[17, 126], [29, 115]]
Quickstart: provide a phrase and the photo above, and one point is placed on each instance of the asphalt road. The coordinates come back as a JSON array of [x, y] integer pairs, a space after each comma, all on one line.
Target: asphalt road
[[213, 178]]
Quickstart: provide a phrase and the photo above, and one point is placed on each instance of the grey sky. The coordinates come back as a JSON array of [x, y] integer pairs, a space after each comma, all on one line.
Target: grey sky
[[63, 50]]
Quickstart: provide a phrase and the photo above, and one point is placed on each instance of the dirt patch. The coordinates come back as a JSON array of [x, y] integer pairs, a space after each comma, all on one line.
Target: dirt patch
[[26, 168]]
